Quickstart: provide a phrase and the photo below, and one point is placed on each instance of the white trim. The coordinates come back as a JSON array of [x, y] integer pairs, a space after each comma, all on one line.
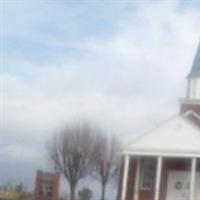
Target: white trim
[[193, 178], [125, 177], [158, 177], [137, 179], [191, 112], [168, 151], [163, 154]]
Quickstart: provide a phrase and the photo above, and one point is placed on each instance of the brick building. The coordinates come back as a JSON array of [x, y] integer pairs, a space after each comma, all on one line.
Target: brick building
[[46, 186]]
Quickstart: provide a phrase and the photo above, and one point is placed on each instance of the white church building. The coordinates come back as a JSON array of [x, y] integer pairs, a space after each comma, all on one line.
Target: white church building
[[164, 164]]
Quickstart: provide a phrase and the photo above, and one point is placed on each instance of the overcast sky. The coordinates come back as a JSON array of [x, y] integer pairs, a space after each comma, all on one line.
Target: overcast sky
[[120, 64]]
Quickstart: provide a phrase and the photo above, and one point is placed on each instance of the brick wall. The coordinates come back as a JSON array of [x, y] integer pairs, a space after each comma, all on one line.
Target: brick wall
[[46, 186], [192, 107]]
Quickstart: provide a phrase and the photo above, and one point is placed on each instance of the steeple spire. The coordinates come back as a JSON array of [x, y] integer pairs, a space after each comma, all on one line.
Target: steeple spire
[[192, 101], [195, 72], [194, 78]]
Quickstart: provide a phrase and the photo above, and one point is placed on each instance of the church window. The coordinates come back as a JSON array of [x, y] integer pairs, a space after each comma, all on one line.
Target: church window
[[147, 175]]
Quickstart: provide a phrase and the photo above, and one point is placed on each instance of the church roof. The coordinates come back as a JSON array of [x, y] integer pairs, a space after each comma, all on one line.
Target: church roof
[[177, 137], [195, 72]]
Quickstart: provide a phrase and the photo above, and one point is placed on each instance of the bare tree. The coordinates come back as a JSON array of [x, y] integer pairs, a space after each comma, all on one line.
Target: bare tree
[[71, 152], [106, 160]]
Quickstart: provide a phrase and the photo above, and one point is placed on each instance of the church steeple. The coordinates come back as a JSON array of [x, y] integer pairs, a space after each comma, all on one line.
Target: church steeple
[[195, 72], [192, 101], [194, 78]]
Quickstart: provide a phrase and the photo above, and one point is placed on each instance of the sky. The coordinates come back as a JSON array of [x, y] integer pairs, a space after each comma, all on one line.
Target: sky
[[119, 64]]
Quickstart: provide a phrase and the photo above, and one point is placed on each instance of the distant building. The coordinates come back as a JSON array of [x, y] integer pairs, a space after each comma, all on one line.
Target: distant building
[[46, 186]]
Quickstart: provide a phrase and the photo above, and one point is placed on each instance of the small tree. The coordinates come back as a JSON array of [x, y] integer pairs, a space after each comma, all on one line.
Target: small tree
[[19, 188], [106, 160], [85, 194], [71, 152]]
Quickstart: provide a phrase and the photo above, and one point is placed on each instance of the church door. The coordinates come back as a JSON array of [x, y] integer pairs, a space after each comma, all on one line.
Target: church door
[[178, 185]]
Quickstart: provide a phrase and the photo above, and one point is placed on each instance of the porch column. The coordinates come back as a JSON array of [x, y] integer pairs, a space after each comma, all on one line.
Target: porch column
[[125, 177], [158, 177], [137, 179], [193, 178]]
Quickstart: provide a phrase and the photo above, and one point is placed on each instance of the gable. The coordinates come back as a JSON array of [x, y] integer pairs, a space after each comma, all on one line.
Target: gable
[[178, 135]]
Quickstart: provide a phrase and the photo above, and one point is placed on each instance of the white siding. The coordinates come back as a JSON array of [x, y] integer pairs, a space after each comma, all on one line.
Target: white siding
[[194, 89]]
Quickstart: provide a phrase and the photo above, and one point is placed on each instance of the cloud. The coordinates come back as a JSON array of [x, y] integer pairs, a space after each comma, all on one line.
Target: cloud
[[19, 153], [121, 66]]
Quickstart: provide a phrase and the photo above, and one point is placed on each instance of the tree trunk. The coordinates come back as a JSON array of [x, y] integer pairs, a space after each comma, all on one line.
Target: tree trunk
[[72, 191], [103, 192]]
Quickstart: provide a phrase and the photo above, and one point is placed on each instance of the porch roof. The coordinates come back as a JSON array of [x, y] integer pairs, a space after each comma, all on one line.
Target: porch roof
[[178, 137]]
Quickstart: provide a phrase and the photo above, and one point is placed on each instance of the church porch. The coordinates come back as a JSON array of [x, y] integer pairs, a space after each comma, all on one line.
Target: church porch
[[160, 178]]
